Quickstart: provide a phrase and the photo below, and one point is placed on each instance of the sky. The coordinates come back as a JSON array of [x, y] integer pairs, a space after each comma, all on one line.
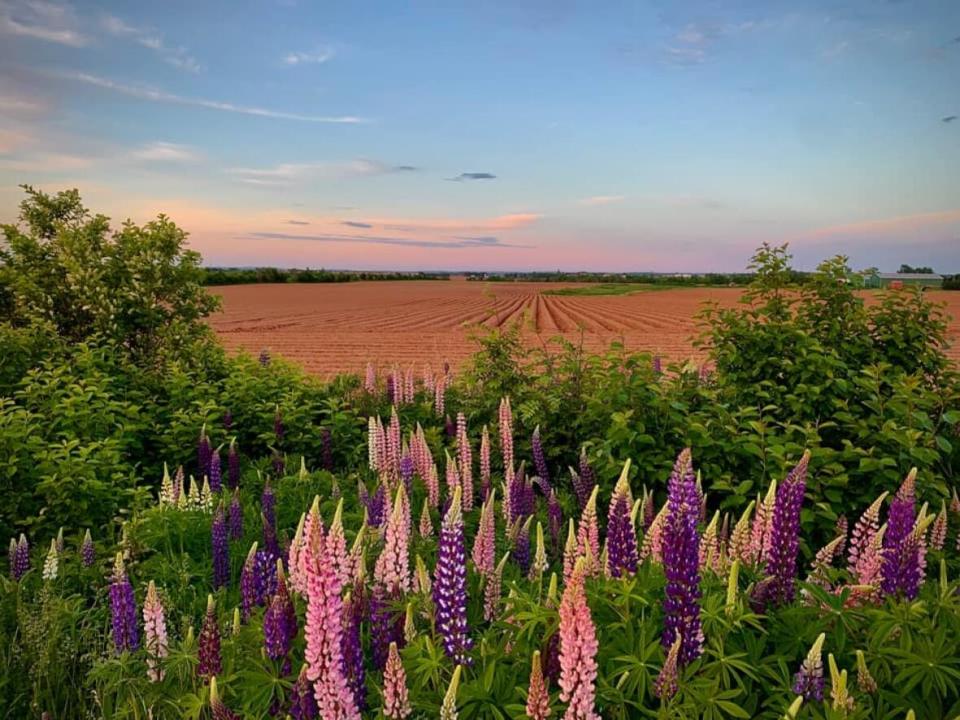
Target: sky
[[547, 134]]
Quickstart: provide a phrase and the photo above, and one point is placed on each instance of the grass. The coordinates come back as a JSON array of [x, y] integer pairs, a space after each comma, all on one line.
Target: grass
[[608, 289]]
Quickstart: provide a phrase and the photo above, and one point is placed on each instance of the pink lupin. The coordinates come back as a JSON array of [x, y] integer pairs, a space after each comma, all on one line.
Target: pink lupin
[[588, 534], [506, 438], [396, 699], [392, 569], [485, 463], [465, 461], [578, 649], [484, 549], [155, 633]]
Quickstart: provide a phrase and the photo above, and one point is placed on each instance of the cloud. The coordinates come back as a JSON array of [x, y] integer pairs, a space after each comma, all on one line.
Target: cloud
[[473, 176], [49, 21], [286, 174], [900, 224], [601, 200], [166, 152], [154, 95], [452, 244], [46, 162], [694, 42], [354, 223], [297, 222], [176, 56], [948, 119], [317, 57]]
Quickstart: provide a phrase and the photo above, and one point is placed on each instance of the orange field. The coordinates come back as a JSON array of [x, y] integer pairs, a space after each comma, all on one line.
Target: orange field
[[331, 328]]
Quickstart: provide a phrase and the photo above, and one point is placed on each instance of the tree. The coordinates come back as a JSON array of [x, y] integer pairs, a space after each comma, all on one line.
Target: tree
[[910, 269], [138, 288]]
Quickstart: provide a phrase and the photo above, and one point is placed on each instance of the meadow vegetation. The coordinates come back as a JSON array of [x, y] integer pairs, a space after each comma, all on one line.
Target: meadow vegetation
[[545, 531]]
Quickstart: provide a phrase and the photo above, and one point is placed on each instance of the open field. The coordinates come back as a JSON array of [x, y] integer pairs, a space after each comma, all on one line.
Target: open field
[[334, 328]]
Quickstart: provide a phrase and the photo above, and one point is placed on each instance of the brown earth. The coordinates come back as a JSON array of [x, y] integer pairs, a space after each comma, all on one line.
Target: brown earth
[[331, 328]]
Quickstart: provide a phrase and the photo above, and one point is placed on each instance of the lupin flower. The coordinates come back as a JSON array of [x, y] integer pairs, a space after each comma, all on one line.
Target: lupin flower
[[409, 626], [376, 506], [587, 479], [588, 534], [571, 553], [900, 523], [657, 365], [448, 710], [233, 466], [268, 504], [540, 561], [264, 358], [779, 586], [51, 563], [303, 705], [484, 544], [938, 533], [396, 700], [762, 519], [406, 472], [492, 591], [279, 621], [864, 533], [392, 570], [450, 585], [808, 681], [539, 458], [59, 542], [324, 630], [209, 662], [123, 609], [554, 520], [235, 516], [521, 547], [505, 419], [426, 523], [485, 463], [681, 551], [370, 379], [88, 553], [465, 461], [12, 555], [439, 395], [203, 453], [353, 650], [865, 681], [622, 555], [216, 475], [249, 583], [391, 384], [432, 481], [538, 694], [578, 649], [384, 626], [666, 684], [839, 693], [218, 708], [740, 538], [154, 633], [221, 549], [337, 547]]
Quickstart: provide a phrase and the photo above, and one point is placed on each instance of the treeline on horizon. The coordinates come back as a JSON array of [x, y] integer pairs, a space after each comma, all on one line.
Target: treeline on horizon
[[245, 276]]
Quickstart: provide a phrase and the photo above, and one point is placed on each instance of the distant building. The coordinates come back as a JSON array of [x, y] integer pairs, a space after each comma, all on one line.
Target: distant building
[[894, 280]]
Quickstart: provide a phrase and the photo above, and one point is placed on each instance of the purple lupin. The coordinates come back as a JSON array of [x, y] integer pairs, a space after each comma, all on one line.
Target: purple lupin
[[203, 453], [779, 586], [216, 475], [900, 522], [233, 466], [450, 585], [235, 516], [353, 650], [88, 552], [21, 558], [681, 559], [221, 548], [209, 662], [587, 480], [123, 609], [540, 458]]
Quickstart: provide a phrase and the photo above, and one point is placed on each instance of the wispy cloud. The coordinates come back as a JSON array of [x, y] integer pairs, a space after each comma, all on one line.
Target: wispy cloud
[[596, 200], [166, 152], [177, 56], [317, 57], [452, 244], [155, 95], [297, 222], [355, 224], [473, 176], [901, 224], [948, 119], [286, 174], [49, 21], [694, 42]]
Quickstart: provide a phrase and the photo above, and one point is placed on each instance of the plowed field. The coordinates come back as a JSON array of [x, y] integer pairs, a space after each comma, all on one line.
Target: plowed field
[[340, 327]]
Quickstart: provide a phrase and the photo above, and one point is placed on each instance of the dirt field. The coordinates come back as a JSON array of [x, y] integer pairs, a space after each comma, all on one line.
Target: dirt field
[[340, 327]]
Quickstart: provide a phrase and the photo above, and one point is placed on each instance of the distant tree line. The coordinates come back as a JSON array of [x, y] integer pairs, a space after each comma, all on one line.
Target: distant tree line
[[685, 279], [244, 276], [920, 270]]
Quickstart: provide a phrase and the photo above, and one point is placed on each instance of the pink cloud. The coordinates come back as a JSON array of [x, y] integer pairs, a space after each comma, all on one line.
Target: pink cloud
[[884, 226]]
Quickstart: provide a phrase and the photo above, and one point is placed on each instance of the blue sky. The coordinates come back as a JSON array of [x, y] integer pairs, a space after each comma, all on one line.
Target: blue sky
[[516, 135]]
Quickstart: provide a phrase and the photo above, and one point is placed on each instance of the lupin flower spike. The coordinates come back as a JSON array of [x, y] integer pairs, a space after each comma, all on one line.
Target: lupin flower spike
[[578, 649], [449, 586], [540, 561], [808, 681], [123, 607], [448, 710], [396, 700], [217, 706], [155, 633], [538, 694], [209, 662], [51, 563], [667, 682]]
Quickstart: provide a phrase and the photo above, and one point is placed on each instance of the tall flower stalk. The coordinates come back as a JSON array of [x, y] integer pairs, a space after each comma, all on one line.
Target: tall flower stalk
[[622, 557], [681, 550], [155, 633], [209, 662], [123, 608], [450, 585], [578, 649]]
